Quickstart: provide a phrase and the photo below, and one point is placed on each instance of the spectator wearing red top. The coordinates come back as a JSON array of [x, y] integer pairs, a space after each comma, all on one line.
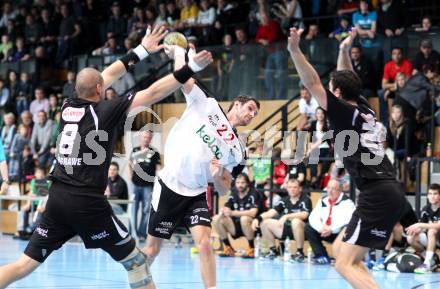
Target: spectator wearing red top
[[269, 35], [396, 65], [347, 7]]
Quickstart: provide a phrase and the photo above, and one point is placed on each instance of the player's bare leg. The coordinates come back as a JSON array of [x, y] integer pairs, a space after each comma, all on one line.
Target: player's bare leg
[[350, 265], [17, 270], [201, 236]]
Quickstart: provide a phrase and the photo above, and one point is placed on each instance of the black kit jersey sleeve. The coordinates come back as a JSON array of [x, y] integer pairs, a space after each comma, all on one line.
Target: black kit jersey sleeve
[[230, 202], [340, 113], [425, 215], [111, 112], [281, 206]]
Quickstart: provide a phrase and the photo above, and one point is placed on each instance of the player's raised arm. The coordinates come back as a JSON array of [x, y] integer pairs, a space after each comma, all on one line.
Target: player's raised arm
[[344, 61], [149, 45], [178, 54], [170, 83], [308, 75]]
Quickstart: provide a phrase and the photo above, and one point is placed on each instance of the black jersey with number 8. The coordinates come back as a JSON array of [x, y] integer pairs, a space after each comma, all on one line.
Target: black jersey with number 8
[[86, 141]]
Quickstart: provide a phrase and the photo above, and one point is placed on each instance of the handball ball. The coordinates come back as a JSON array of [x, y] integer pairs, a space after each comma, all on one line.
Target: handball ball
[[176, 38]]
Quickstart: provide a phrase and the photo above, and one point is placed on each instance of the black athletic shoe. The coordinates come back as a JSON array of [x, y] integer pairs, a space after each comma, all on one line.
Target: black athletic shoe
[[298, 257]]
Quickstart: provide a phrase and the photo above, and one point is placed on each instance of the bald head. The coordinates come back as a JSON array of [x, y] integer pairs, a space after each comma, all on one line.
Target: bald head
[[89, 84], [333, 189]]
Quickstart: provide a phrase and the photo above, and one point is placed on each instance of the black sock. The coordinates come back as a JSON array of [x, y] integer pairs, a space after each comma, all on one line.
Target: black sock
[[251, 243], [274, 249], [300, 250], [226, 242], [282, 248]]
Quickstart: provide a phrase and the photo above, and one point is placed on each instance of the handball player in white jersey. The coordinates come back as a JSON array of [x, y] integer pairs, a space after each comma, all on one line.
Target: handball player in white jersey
[[203, 146]]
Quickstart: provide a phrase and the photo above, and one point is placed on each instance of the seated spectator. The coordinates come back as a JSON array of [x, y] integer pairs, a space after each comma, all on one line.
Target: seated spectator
[[415, 93], [425, 26], [49, 33], [269, 35], [364, 69], [110, 47], [25, 90], [342, 176], [40, 140], [116, 189], [5, 47], [173, 14], [319, 147], [5, 97], [161, 18], [327, 221], [19, 52], [397, 64], [236, 217], [425, 234], [390, 18], [116, 25], [206, 16], [39, 187], [188, 14], [225, 65], [69, 32], [110, 93], [289, 12], [279, 171], [8, 132], [13, 84], [259, 167], [7, 13], [26, 120], [293, 212], [150, 16], [244, 62], [40, 103], [401, 79], [347, 7], [399, 134], [365, 21], [138, 22], [343, 30], [33, 30], [426, 56], [312, 32], [20, 141], [225, 12], [12, 30], [69, 86], [307, 108], [54, 108]]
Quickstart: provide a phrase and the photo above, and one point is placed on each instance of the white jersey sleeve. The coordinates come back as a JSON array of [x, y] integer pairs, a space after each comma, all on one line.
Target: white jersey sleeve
[[196, 94]]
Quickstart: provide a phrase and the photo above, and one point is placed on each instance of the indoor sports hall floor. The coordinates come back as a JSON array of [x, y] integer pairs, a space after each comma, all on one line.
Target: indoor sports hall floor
[[74, 267]]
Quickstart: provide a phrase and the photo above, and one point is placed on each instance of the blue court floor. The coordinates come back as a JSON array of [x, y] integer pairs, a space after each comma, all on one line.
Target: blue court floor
[[74, 267]]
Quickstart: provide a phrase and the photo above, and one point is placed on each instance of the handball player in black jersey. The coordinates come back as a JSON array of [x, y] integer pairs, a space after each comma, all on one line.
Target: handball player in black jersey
[[381, 200], [76, 204]]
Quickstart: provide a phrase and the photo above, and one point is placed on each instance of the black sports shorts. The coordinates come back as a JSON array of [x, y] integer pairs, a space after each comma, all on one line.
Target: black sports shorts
[[380, 207], [170, 210], [67, 215]]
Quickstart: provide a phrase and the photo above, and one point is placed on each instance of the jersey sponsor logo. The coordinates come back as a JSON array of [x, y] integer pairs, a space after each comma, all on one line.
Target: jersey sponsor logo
[[100, 236], [166, 224], [209, 140], [205, 219], [213, 119], [69, 161], [73, 114], [163, 231], [42, 232], [379, 233]]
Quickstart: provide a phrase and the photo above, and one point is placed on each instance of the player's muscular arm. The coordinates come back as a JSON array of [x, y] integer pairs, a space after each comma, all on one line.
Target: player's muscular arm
[[344, 61], [149, 44], [168, 84], [179, 62], [308, 75]]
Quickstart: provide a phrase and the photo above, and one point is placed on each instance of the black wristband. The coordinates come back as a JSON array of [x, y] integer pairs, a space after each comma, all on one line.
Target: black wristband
[[129, 60], [184, 74], [260, 219]]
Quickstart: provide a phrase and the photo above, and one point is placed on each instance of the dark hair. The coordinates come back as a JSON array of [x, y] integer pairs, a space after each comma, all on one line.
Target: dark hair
[[325, 126], [435, 187], [357, 46], [292, 180], [396, 47], [348, 82], [429, 67], [245, 177], [115, 164], [243, 99]]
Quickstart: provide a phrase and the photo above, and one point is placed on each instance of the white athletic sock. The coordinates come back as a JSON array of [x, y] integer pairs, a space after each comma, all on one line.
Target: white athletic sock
[[212, 288], [429, 255]]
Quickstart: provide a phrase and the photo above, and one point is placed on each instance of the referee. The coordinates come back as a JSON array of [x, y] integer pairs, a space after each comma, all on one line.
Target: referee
[[76, 204]]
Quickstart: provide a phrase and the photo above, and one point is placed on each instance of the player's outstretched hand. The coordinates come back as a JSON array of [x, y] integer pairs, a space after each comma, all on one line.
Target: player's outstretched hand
[[294, 39], [348, 41], [153, 37], [199, 61]]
